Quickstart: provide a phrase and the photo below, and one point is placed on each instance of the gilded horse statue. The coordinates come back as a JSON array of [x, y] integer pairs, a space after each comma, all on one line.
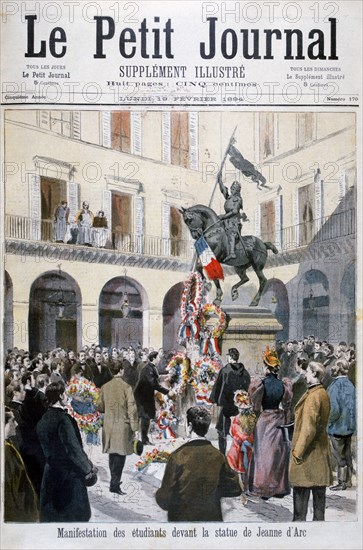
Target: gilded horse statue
[[250, 251]]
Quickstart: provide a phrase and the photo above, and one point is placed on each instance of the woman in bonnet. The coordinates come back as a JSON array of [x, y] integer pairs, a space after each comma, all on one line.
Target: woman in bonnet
[[271, 400]]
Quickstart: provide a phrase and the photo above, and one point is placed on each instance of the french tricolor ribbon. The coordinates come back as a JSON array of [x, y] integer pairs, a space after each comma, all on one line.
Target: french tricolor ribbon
[[211, 344], [189, 331], [163, 425], [210, 264]]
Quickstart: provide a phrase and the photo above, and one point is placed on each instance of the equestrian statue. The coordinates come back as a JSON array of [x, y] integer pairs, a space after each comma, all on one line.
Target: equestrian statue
[[223, 236]]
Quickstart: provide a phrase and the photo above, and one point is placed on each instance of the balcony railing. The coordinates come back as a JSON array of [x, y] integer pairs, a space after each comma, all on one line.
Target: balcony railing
[[22, 228], [340, 224]]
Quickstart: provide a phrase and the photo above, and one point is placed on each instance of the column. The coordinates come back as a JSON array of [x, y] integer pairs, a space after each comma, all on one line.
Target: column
[[153, 333]]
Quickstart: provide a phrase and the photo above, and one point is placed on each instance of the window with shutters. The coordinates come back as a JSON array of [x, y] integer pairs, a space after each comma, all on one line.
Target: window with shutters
[[121, 131], [267, 145], [180, 139], [176, 231], [268, 221], [121, 212], [306, 213], [121, 221], [64, 123], [52, 192], [306, 128]]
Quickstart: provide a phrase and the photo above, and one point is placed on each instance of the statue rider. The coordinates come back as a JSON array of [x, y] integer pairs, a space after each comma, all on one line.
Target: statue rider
[[232, 217]]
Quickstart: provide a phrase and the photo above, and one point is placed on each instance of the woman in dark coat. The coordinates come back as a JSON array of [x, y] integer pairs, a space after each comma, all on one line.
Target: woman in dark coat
[[146, 387], [63, 495], [268, 476]]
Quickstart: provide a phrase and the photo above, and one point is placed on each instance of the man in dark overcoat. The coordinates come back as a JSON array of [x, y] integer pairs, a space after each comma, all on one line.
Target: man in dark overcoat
[[63, 494], [145, 389], [231, 377]]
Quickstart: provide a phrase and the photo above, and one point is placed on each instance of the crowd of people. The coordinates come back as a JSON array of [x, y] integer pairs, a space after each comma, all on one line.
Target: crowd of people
[[306, 394], [308, 389], [37, 423]]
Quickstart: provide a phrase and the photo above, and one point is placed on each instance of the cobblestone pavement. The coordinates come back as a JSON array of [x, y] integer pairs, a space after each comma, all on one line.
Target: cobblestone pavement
[[139, 504]]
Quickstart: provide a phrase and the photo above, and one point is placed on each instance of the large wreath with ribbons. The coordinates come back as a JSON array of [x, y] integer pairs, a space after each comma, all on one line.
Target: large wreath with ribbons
[[204, 375], [167, 420], [82, 406], [180, 370], [212, 331], [191, 302]]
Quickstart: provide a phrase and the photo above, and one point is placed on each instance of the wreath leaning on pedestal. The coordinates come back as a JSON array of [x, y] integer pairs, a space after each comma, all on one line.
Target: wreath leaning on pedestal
[[190, 306], [179, 368], [211, 337], [204, 375]]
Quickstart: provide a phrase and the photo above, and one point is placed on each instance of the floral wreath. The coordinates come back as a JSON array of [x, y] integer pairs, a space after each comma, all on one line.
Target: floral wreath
[[151, 457], [190, 309], [212, 336], [211, 309], [203, 377], [181, 365], [165, 421], [83, 396]]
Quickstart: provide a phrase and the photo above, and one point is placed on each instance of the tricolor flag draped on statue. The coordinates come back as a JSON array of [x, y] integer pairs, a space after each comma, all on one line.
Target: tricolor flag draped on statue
[[210, 264]]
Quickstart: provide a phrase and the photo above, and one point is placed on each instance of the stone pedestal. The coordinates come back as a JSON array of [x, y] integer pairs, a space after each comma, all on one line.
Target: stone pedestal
[[250, 330]]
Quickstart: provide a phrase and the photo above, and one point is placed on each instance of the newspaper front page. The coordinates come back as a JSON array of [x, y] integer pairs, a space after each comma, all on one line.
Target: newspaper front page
[[124, 127]]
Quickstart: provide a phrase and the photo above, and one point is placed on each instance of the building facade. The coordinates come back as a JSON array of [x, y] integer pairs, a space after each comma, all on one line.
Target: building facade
[[139, 169]]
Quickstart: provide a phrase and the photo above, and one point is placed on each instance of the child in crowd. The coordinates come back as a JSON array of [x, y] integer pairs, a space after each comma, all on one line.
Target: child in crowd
[[242, 428]]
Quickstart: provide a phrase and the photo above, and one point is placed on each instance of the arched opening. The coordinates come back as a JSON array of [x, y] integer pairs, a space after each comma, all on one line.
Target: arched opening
[[275, 298], [55, 313], [8, 313], [171, 316], [121, 309], [347, 309], [314, 293]]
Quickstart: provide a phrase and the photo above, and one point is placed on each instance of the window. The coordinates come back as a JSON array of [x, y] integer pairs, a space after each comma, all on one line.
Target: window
[[121, 213], [64, 123], [180, 139], [306, 213], [121, 131], [267, 145], [268, 221], [53, 191], [175, 231], [121, 221]]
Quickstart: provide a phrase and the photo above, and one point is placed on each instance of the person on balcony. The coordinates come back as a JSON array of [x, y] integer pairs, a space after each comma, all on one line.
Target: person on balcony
[[61, 217], [84, 220], [100, 232]]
